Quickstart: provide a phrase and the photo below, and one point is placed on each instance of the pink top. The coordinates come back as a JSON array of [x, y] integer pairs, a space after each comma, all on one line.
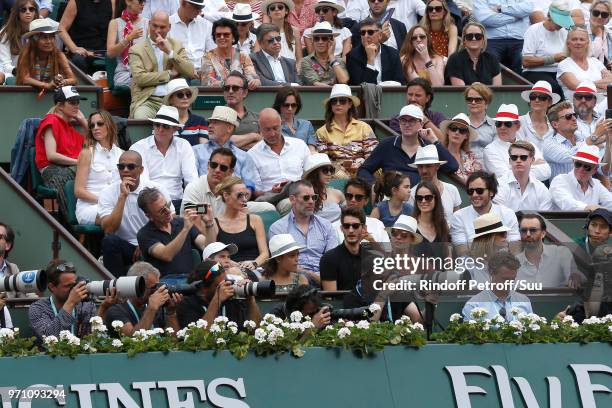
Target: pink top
[[469, 165], [306, 18]]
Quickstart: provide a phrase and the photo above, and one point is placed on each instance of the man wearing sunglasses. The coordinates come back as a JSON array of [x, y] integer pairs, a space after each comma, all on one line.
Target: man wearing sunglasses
[[577, 190], [192, 30], [273, 70], [120, 216], [591, 126], [235, 91], [496, 158]]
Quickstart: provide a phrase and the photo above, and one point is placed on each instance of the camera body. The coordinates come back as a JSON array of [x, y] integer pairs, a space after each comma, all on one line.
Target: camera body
[[200, 209], [261, 289], [356, 313], [182, 289], [25, 282]]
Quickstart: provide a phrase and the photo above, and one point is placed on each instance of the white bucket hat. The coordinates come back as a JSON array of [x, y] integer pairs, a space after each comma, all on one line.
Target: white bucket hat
[[460, 119], [588, 87], [507, 113], [329, 3], [281, 244], [167, 115], [426, 155], [542, 87], [339, 91], [176, 85], [588, 154], [225, 114], [408, 223], [315, 161], [242, 13], [489, 223], [414, 111], [41, 26], [217, 247], [322, 28]]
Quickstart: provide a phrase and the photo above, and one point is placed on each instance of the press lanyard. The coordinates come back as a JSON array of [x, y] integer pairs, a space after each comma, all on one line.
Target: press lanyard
[[135, 312], [55, 313]]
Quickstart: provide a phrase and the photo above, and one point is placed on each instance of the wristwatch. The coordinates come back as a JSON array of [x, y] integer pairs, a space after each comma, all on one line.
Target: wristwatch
[[334, 63], [594, 138]]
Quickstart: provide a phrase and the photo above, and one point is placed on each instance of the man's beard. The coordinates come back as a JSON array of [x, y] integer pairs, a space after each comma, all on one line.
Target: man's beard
[[582, 111]]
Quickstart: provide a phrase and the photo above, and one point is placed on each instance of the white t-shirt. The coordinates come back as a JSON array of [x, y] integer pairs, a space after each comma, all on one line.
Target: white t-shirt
[[539, 42], [593, 73], [450, 199]]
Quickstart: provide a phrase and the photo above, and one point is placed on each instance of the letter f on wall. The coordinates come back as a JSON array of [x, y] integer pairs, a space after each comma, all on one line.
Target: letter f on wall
[[585, 387]]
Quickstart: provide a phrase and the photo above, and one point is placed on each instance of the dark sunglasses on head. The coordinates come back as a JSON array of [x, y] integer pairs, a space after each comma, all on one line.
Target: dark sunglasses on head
[[420, 37], [322, 9], [65, 267], [349, 226], [339, 101], [181, 94], [276, 7], [586, 167], [427, 197], [273, 40], [436, 9], [472, 99], [307, 197], [290, 105], [94, 124], [400, 234], [506, 124], [477, 190], [162, 125], [368, 32], [602, 14], [515, 157], [570, 116], [328, 170], [463, 131], [584, 97], [356, 197], [213, 165], [474, 37], [532, 231], [539, 97], [223, 35], [26, 9], [129, 166], [233, 88]]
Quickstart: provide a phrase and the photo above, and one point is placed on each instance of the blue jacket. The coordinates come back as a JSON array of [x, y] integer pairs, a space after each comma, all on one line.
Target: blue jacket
[[19, 152]]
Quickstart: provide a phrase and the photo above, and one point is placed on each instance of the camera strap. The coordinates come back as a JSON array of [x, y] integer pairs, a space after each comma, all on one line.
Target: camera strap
[[55, 313]]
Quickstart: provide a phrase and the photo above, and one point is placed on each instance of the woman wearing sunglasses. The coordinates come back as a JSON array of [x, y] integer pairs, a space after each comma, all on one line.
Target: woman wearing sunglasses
[[473, 63], [440, 27], [288, 103], [319, 170], [534, 124], [218, 63], [126, 29], [432, 225], [328, 10], [600, 35], [237, 226], [96, 165], [459, 134], [282, 266], [278, 13], [478, 97], [11, 44], [346, 140], [244, 18], [181, 96], [419, 60]]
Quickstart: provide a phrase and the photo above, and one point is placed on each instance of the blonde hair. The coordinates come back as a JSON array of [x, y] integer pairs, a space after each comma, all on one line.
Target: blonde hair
[[482, 90], [446, 23], [577, 27], [482, 30], [226, 185]]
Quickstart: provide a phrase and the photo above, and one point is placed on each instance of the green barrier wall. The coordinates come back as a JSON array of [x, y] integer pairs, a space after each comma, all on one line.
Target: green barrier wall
[[444, 376]]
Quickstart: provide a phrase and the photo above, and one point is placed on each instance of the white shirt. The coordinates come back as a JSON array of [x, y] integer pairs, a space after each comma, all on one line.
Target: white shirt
[[593, 73], [198, 192], [450, 199], [527, 131], [535, 197], [375, 228], [272, 168], [8, 61], [170, 170], [568, 195], [133, 218], [277, 68], [195, 37], [554, 269], [7, 318], [151, 6], [497, 160], [214, 10], [162, 89], [539, 42], [462, 224]]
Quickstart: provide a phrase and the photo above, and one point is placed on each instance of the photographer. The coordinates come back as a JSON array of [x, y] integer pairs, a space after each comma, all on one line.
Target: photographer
[[68, 307], [305, 299], [215, 297], [7, 242], [5, 316], [156, 308]]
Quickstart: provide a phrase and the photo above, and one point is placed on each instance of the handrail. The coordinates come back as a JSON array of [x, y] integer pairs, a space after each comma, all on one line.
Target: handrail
[[57, 227], [513, 75], [82, 76]]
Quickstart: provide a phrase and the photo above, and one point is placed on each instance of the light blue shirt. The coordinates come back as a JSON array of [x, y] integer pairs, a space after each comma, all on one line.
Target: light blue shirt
[[489, 301], [511, 22], [244, 164], [3, 268], [303, 130], [558, 152], [45, 4], [320, 238]]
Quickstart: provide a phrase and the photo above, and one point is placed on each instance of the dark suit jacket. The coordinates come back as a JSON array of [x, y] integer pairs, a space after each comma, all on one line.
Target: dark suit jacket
[[264, 70], [356, 65], [399, 31]]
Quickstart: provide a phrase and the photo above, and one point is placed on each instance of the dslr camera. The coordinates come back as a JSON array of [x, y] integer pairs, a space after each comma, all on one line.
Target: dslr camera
[[356, 313], [261, 289], [182, 289]]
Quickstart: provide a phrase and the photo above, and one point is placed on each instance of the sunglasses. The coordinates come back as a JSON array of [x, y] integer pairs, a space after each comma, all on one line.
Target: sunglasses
[[506, 124], [420, 37], [349, 226], [584, 97], [232, 88], [376, 1], [435, 9], [515, 157], [400, 234], [411, 121], [321, 39], [162, 125], [307, 197], [129, 166], [472, 99], [329, 170], [65, 267], [477, 190], [243, 196], [213, 165], [94, 124], [223, 35], [290, 105], [183, 95], [356, 197], [532, 231], [368, 32], [586, 167], [463, 131], [74, 102], [539, 97], [165, 208], [214, 270], [272, 40], [570, 116], [602, 14], [339, 101], [27, 9], [276, 7], [474, 37], [243, 24], [322, 9], [427, 198]]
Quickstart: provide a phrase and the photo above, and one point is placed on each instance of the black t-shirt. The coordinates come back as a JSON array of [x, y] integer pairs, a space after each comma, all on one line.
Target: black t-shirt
[[182, 263], [341, 266], [193, 308], [123, 312], [460, 65]]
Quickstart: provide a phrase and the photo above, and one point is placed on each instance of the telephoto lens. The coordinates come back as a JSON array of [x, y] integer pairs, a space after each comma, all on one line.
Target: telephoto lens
[[261, 289], [357, 313], [127, 286], [25, 282]]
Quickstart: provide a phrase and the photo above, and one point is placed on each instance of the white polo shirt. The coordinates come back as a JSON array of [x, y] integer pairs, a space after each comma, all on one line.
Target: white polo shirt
[[450, 199], [133, 218], [170, 170], [196, 37], [198, 192], [272, 168], [462, 224], [554, 269], [535, 197], [568, 196], [497, 160]]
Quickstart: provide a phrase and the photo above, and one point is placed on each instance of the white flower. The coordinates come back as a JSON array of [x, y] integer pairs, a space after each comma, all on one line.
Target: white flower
[[568, 319], [278, 321], [607, 319], [343, 332], [498, 319], [220, 340], [374, 308], [233, 329], [117, 324], [214, 328], [486, 327], [158, 330], [591, 320], [260, 335], [610, 328], [140, 334], [117, 343], [296, 316], [65, 335], [268, 318], [574, 325], [515, 311], [201, 324], [16, 329], [169, 330], [478, 312], [515, 324], [181, 334], [455, 317], [307, 324], [472, 322], [249, 324], [191, 325], [96, 321], [50, 340], [221, 319], [74, 341], [86, 346], [349, 324], [518, 333], [418, 326], [7, 333], [534, 327], [363, 324], [554, 326], [232, 324], [98, 328], [297, 326]]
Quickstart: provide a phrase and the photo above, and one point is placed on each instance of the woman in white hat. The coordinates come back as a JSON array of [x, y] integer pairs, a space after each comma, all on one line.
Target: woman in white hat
[[490, 236], [328, 10], [181, 96], [404, 234], [42, 65], [534, 124], [343, 137], [282, 266], [419, 60], [11, 43], [290, 36], [129, 28], [319, 170], [459, 135], [244, 18]]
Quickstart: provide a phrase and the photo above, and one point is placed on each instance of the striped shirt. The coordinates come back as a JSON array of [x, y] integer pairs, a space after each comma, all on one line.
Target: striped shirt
[[558, 152], [44, 321]]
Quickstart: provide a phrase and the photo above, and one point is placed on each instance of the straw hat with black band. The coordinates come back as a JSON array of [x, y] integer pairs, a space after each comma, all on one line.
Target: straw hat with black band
[[464, 121], [179, 84], [489, 223], [167, 115]]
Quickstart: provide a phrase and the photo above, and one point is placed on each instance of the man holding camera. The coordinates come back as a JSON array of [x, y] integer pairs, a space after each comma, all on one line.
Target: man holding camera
[[156, 308], [216, 297], [306, 300]]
